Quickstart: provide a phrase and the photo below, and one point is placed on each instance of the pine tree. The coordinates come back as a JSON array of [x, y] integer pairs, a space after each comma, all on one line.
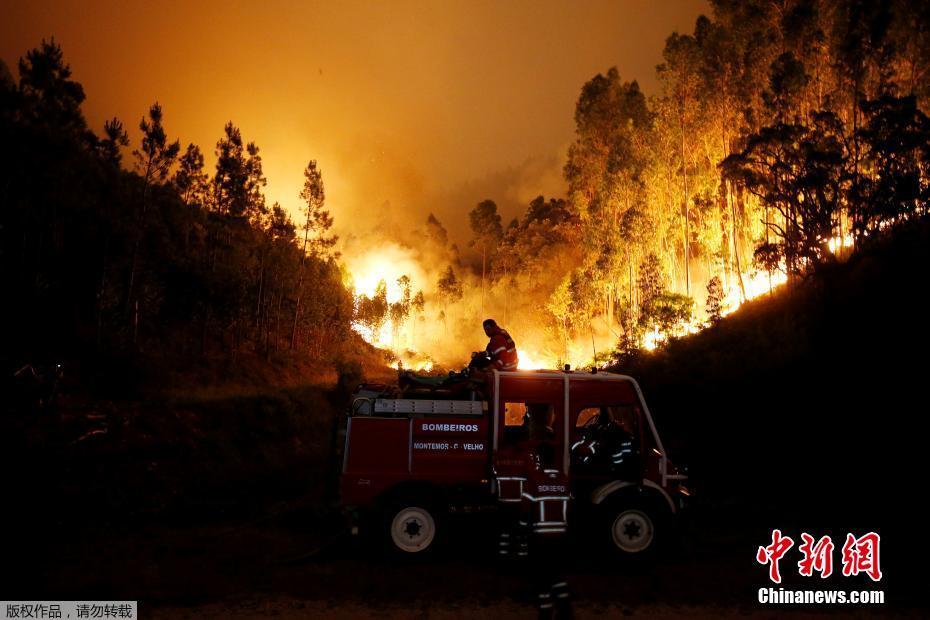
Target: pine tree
[[153, 163], [191, 181], [115, 138], [318, 222]]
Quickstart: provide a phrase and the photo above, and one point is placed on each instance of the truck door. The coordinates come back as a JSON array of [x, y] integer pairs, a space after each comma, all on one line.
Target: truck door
[[531, 409], [611, 438], [529, 419]]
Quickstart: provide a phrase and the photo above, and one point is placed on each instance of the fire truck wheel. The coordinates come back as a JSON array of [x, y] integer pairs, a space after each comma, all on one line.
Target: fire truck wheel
[[412, 528], [633, 528]]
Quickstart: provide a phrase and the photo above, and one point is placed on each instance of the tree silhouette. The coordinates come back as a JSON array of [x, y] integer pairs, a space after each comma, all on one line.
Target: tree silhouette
[[191, 181], [105, 260], [153, 163], [486, 228], [436, 232], [51, 97], [230, 181], [895, 136], [115, 138], [715, 299], [449, 287], [318, 222], [802, 174]]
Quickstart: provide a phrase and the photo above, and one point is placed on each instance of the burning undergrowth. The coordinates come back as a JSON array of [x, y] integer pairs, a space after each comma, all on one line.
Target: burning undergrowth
[[421, 297]]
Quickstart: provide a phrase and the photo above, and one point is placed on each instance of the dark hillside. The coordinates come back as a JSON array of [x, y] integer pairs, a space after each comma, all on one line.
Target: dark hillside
[[805, 409]]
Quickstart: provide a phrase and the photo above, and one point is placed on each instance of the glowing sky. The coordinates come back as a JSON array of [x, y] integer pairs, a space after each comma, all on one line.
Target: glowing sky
[[425, 105]]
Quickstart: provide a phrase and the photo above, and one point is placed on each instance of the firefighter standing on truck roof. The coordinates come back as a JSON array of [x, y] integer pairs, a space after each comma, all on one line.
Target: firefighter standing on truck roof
[[501, 349]]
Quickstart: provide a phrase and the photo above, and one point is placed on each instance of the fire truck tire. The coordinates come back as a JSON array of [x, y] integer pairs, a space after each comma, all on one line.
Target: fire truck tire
[[411, 527], [634, 528]]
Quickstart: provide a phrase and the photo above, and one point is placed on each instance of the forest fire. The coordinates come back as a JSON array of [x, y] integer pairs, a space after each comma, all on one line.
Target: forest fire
[[380, 281], [382, 286], [530, 360], [755, 284], [260, 259], [839, 243], [391, 318]]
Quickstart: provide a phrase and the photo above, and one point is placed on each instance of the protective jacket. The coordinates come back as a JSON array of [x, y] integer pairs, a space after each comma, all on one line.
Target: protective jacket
[[502, 350]]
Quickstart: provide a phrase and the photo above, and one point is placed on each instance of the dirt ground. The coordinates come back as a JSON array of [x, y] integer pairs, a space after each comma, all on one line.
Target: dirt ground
[[295, 562]]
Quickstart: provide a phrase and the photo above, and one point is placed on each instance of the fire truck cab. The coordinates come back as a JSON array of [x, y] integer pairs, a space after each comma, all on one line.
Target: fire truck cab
[[571, 451]]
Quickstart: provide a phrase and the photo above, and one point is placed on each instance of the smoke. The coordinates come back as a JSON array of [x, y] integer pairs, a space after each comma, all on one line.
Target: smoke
[[373, 183], [385, 238], [385, 255], [511, 188], [517, 291]]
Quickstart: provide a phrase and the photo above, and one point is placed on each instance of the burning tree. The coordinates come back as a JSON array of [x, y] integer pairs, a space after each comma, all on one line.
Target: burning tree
[[449, 288], [669, 312], [802, 174], [372, 312], [560, 307], [661, 310], [715, 299], [399, 311]]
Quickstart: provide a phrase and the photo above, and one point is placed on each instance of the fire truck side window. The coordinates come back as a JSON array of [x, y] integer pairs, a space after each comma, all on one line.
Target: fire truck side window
[[608, 441], [623, 416], [514, 414], [586, 416], [528, 421], [541, 418]]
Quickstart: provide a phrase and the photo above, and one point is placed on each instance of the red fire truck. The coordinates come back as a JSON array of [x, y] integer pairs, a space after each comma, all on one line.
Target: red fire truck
[[566, 450]]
